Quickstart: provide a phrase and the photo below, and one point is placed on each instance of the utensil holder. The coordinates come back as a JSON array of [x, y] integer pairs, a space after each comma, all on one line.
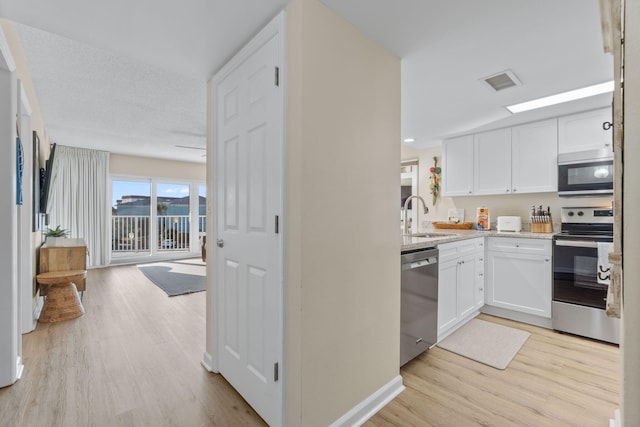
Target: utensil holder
[[541, 224]]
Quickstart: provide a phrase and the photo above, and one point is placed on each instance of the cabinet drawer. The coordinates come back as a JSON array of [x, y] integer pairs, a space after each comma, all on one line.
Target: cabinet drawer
[[453, 250], [520, 245]]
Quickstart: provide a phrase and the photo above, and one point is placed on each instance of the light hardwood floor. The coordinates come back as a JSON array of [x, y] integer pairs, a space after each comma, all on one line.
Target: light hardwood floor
[[555, 380], [134, 360]]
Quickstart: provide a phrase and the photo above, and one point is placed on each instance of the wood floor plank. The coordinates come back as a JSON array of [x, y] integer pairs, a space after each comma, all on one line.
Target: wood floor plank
[[555, 380], [134, 360]]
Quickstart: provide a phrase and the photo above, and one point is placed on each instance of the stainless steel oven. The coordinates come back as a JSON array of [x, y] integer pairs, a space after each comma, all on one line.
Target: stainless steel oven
[[585, 173], [579, 298]]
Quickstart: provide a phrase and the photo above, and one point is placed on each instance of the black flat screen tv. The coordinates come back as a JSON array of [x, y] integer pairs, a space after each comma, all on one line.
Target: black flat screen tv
[[45, 180]]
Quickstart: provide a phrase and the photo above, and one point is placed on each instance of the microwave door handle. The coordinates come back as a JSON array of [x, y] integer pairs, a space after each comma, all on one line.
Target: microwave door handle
[[577, 243]]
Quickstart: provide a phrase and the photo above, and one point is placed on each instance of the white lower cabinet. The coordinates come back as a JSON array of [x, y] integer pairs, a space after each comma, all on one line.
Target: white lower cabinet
[[519, 275], [460, 283]]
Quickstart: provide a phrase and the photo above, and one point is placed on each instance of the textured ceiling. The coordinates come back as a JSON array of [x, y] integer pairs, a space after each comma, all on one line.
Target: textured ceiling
[[104, 96], [130, 76], [93, 98]]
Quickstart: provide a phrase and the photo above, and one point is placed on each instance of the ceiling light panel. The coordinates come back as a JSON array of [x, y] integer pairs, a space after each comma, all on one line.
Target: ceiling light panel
[[560, 98]]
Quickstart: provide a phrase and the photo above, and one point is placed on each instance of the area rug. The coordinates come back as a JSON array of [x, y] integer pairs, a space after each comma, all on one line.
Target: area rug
[[486, 342], [177, 277]]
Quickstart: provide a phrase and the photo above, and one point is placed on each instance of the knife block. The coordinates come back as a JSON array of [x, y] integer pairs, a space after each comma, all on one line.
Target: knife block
[[541, 224]]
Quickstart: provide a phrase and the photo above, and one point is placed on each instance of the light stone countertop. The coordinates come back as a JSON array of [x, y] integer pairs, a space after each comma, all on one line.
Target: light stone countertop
[[452, 235]]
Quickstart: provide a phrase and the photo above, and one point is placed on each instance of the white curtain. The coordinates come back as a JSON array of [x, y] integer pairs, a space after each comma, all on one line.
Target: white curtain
[[79, 199]]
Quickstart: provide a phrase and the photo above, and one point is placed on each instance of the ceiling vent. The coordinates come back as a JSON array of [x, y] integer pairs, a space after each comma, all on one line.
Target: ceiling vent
[[502, 80]]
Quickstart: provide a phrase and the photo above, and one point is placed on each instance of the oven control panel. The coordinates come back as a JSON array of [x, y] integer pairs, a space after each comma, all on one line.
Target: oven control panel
[[586, 215]]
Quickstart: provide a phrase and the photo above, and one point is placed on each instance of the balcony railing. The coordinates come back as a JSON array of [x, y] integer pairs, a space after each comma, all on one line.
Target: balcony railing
[[133, 233]]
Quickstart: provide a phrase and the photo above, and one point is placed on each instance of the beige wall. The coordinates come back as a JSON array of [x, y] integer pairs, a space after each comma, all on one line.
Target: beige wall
[[156, 168], [631, 226], [342, 245], [514, 204], [22, 73]]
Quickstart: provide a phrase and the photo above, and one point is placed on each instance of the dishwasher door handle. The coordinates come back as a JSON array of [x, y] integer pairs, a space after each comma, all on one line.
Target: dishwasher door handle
[[421, 263]]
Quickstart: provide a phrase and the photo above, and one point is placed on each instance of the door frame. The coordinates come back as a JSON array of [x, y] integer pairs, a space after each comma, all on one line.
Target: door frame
[[10, 357], [275, 28], [25, 213]]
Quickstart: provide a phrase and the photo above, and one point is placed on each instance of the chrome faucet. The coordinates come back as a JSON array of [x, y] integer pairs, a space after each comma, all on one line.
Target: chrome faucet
[[405, 225]]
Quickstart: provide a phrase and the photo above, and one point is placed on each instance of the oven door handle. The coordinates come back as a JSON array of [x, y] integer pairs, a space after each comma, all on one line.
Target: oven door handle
[[577, 243]]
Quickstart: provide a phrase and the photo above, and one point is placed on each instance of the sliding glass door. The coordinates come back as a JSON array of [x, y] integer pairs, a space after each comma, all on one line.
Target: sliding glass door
[[130, 218], [173, 217], [156, 218]]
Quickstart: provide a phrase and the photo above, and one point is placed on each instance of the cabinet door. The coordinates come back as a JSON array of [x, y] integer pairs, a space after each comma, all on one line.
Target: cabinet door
[[492, 162], [457, 166], [534, 157], [447, 295], [466, 285], [520, 282], [584, 131]]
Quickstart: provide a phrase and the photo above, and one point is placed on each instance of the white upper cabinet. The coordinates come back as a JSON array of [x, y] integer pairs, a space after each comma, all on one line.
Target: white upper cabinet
[[584, 131], [534, 153], [492, 162], [457, 171]]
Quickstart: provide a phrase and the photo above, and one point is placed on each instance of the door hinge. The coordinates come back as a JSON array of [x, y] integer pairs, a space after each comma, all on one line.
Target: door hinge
[[275, 372], [277, 225], [277, 76]]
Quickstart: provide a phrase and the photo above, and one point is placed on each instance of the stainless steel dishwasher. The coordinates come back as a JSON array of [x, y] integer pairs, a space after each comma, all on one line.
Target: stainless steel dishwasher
[[419, 302]]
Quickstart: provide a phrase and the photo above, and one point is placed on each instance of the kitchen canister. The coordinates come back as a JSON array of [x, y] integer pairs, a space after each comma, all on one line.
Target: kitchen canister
[[483, 219]]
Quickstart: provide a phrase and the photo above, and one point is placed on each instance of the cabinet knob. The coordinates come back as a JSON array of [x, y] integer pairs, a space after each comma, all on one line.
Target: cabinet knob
[[514, 190], [607, 125], [507, 190], [482, 289], [470, 191], [480, 259], [480, 274], [546, 259], [517, 246]]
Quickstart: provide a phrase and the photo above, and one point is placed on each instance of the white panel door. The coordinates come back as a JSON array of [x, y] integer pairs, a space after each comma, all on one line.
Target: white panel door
[[534, 154], [457, 166], [492, 162], [248, 171]]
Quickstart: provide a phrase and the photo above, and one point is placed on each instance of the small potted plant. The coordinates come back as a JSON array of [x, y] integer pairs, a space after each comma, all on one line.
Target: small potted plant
[[54, 235]]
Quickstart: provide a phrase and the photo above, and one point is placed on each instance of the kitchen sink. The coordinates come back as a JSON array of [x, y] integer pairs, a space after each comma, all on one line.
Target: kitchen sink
[[430, 235]]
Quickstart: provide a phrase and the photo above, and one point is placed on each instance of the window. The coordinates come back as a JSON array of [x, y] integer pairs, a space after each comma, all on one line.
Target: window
[[154, 218]]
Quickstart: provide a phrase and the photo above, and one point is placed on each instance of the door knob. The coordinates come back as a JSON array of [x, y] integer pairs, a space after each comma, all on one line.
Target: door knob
[[220, 243]]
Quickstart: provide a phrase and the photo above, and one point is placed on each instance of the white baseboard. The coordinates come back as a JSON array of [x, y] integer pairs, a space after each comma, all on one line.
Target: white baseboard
[[615, 421], [207, 362], [360, 413], [19, 368], [38, 309], [531, 319]]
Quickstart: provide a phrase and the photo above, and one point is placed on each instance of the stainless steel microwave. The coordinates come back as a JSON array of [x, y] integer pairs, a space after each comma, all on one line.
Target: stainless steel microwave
[[585, 173]]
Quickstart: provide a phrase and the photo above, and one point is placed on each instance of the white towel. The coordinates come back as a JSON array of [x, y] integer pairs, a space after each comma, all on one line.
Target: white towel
[[604, 268]]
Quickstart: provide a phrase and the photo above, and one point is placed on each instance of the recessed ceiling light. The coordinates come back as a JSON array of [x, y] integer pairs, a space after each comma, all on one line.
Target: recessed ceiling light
[[409, 140], [572, 95]]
